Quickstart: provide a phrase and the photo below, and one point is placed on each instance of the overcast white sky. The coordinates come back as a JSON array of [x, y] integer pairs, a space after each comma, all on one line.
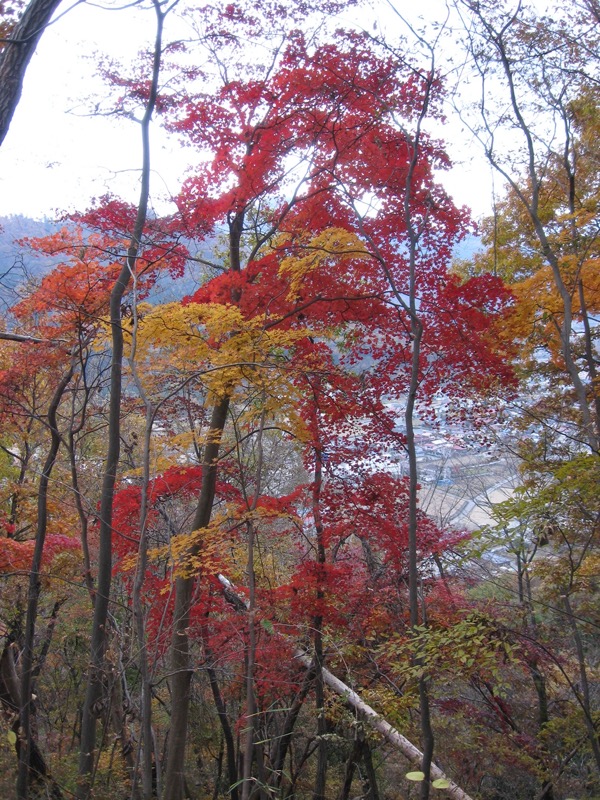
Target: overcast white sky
[[56, 158]]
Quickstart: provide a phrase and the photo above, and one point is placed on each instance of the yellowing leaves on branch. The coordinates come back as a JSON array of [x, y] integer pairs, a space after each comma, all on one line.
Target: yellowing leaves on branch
[[227, 355], [544, 240], [538, 313], [217, 344], [332, 244]]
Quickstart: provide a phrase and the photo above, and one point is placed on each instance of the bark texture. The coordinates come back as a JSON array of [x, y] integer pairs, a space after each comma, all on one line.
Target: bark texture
[[16, 55]]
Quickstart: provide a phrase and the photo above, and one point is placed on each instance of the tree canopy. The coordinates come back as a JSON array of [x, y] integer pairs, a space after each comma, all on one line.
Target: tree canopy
[[237, 540]]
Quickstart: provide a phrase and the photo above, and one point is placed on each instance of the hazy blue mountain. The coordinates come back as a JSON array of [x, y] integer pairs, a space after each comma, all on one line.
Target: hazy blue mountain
[[17, 265]]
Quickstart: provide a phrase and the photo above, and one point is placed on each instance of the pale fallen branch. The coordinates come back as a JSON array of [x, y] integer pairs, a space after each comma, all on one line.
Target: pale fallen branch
[[18, 337], [378, 723], [366, 712]]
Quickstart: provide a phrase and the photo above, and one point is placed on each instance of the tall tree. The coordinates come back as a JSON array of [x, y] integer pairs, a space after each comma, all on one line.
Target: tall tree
[[346, 142], [539, 80], [129, 269], [547, 78]]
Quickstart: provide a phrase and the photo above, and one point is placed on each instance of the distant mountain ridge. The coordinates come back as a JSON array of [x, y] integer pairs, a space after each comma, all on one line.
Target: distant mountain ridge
[[17, 266]]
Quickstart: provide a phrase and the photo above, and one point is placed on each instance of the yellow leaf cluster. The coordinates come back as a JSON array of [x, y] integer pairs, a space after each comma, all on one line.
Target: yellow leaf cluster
[[332, 243], [200, 552], [540, 309], [227, 353], [215, 341]]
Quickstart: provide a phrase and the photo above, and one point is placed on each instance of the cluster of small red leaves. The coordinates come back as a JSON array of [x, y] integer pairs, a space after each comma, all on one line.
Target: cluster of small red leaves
[[365, 520], [285, 505], [175, 484], [331, 107], [321, 590], [447, 601], [277, 675], [73, 297], [28, 380], [222, 627], [161, 249], [7, 529], [462, 357], [319, 107], [15, 556]]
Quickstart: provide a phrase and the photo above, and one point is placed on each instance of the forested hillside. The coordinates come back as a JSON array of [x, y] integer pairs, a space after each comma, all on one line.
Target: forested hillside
[[15, 270], [294, 502]]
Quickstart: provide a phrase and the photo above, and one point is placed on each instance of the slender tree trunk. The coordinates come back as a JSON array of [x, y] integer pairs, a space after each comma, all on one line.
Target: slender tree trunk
[[539, 682], [416, 333], [180, 647], [372, 789], [83, 520], [585, 686], [251, 707], [590, 355], [122, 738], [280, 746], [146, 738], [250, 721], [27, 769], [232, 773], [321, 770], [145, 745], [427, 737], [353, 759], [94, 693], [74, 430]]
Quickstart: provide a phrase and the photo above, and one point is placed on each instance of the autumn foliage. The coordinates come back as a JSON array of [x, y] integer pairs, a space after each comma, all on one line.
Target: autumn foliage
[[270, 518]]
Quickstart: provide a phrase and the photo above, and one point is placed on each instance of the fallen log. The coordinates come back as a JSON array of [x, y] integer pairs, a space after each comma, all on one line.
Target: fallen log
[[365, 711], [378, 723]]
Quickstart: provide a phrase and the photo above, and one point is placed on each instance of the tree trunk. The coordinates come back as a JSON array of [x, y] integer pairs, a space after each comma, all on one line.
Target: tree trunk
[[353, 759], [585, 699], [226, 727], [251, 705], [93, 698], [416, 334], [370, 784], [10, 699], [280, 746], [27, 768], [180, 647], [321, 770], [16, 55]]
